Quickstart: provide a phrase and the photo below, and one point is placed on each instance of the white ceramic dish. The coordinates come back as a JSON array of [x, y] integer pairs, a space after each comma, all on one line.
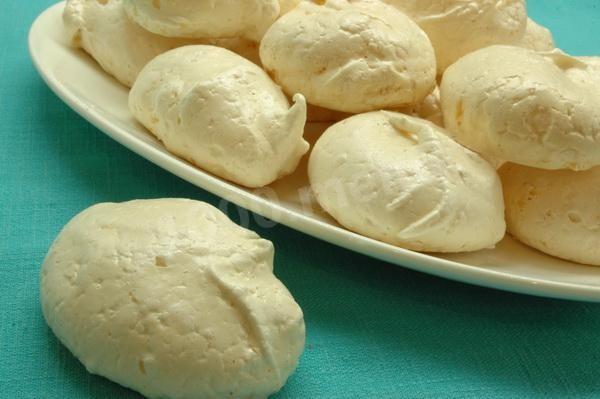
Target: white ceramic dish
[[97, 97]]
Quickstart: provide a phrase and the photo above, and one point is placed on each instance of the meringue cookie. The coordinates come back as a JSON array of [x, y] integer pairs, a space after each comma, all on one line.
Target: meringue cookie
[[222, 113], [458, 27], [556, 212], [537, 37], [121, 47], [402, 180], [170, 298], [205, 18], [350, 56], [534, 109]]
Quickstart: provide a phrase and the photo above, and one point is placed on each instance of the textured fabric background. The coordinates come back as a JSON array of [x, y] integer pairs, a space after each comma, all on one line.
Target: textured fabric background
[[374, 330]]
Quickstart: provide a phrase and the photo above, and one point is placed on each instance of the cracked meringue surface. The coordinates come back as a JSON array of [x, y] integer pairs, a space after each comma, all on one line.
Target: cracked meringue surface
[[458, 27], [350, 56], [222, 113], [172, 299], [402, 180], [554, 211], [535, 109]]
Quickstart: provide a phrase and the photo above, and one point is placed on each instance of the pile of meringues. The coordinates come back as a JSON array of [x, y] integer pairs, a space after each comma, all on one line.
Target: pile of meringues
[[426, 98]]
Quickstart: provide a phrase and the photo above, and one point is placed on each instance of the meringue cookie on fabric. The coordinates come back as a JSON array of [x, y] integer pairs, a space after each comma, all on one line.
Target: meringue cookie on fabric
[[350, 56], [458, 27], [222, 113], [402, 180], [121, 47], [205, 18], [172, 299], [537, 37], [555, 211], [535, 109]]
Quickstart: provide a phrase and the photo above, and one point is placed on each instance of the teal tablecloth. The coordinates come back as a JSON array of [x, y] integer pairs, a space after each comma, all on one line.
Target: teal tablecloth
[[374, 330]]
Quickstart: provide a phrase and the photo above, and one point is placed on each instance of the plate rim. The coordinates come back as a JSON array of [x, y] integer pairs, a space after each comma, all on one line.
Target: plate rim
[[420, 262]]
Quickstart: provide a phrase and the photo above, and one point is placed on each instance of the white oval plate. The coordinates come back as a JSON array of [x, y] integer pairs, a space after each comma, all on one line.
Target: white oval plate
[[97, 97]]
